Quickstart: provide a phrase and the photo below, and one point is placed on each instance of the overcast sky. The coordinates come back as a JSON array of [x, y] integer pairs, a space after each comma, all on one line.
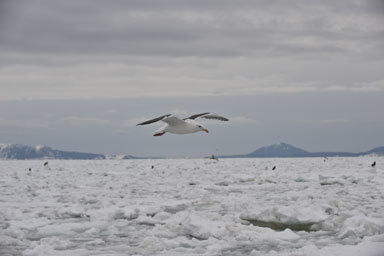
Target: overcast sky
[[78, 75]]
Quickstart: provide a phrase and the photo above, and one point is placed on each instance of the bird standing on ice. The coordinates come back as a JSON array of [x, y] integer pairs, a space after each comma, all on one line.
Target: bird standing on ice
[[182, 126]]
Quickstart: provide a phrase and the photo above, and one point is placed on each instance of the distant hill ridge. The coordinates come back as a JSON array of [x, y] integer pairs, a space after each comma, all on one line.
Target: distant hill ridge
[[287, 150], [22, 152]]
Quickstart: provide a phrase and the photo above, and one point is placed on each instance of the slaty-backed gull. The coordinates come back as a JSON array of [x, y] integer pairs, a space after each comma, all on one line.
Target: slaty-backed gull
[[182, 126]]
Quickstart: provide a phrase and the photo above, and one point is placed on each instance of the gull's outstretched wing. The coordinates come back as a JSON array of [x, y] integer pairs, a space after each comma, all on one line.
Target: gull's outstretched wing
[[169, 119], [207, 115], [173, 120], [161, 118]]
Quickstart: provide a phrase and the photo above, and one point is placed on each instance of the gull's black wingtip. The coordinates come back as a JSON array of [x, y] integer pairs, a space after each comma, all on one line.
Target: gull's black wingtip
[[154, 120]]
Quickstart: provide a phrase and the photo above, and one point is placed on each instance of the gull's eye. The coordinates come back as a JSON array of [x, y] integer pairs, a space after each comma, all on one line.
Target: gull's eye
[[199, 126]]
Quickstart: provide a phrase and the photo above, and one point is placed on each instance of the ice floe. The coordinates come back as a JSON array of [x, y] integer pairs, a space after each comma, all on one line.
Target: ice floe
[[192, 207]]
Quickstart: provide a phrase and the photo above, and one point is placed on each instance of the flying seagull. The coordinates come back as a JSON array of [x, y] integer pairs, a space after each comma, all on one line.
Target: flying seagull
[[182, 126]]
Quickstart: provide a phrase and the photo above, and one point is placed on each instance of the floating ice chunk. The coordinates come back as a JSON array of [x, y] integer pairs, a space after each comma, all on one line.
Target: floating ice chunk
[[293, 217], [66, 229], [366, 248], [152, 244], [64, 213], [54, 246], [222, 183], [194, 225], [88, 200], [242, 178], [271, 180], [288, 235], [351, 179], [330, 180], [378, 238], [161, 216], [295, 213], [175, 206], [300, 179], [361, 226], [146, 220], [8, 242], [114, 213]]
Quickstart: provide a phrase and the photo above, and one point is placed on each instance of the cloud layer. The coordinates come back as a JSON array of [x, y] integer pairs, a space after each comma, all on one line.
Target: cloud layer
[[304, 72], [95, 49]]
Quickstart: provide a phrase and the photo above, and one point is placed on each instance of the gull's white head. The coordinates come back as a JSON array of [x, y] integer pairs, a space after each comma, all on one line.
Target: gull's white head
[[202, 128]]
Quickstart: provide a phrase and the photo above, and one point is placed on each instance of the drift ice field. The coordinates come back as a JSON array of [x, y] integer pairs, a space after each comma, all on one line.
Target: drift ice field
[[306, 206]]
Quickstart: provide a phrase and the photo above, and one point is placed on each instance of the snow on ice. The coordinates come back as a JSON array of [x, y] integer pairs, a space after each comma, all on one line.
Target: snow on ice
[[193, 207]]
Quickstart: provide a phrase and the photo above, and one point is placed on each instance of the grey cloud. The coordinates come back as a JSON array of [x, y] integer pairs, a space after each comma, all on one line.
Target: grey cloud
[[172, 28], [96, 49], [266, 64], [23, 124], [77, 120]]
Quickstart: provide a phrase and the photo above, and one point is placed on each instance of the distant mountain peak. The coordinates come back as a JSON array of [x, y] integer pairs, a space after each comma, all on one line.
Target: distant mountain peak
[[23, 152], [281, 146], [278, 150], [283, 149], [376, 151], [42, 147], [19, 151]]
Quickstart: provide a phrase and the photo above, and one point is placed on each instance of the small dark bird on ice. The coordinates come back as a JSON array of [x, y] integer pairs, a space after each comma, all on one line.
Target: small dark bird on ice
[[213, 157], [274, 167], [153, 167], [373, 164], [46, 163]]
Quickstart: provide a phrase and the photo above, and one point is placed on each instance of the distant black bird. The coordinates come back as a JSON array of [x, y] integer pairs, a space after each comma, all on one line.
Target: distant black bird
[[30, 169], [46, 163], [274, 167], [153, 166], [373, 164]]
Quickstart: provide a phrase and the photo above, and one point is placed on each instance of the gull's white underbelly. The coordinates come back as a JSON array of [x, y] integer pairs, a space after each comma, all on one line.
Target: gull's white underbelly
[[182, 129]]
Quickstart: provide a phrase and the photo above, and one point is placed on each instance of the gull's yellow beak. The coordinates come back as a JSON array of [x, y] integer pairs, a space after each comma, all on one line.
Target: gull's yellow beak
[[205, 130]]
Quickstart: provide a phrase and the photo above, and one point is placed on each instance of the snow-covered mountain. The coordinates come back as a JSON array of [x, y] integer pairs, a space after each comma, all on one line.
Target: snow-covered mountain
[[278, 150], [379, 151], [21, 152], [287, 150]]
